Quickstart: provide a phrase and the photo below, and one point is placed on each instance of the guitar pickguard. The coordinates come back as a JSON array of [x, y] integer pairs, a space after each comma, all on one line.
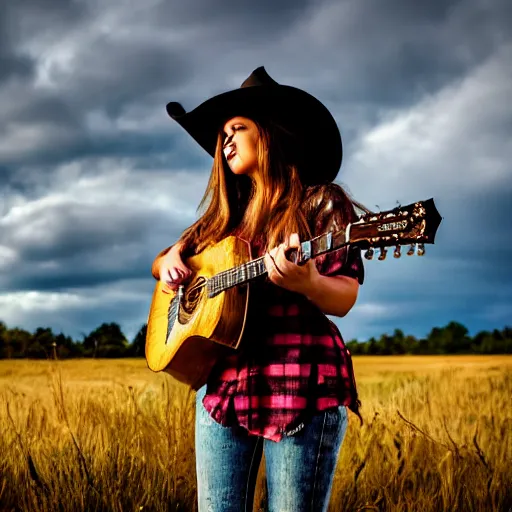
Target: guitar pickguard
[[173, 312]]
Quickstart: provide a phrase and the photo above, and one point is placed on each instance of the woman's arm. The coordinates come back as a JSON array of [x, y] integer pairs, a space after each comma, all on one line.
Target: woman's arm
[[155, 268], [332, 295]]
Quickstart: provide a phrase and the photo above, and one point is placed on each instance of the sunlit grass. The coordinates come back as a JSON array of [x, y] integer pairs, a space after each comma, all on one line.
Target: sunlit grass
[[112, 435]]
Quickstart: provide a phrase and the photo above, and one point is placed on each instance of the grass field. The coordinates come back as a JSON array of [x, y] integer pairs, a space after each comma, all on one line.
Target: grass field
[[110, 435]]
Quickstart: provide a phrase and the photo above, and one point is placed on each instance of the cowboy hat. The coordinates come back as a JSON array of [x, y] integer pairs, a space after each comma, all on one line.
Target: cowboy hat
[[260, 95]]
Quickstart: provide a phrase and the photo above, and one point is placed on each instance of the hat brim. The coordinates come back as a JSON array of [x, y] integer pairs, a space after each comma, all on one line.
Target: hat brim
[[297, 108]]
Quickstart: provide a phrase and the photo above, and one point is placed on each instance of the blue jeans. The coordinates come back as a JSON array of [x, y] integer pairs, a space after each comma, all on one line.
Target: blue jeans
[[299, 468]]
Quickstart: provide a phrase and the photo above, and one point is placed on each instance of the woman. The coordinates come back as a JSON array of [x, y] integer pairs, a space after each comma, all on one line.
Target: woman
[[285, 391]]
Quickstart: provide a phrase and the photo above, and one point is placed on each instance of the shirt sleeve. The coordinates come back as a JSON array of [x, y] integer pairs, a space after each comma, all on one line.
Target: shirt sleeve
[[342, 262], [332, 210]]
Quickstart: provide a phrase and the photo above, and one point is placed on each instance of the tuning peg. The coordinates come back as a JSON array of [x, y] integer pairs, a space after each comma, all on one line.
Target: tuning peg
[[383, 252], [397, 252], [369, 254], [421, 250], [411, 249]]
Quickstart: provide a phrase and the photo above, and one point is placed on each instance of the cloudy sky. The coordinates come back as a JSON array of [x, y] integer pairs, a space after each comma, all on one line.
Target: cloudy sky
[[95, 179]]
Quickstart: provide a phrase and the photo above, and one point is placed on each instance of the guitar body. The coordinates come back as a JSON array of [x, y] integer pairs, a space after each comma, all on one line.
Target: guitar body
[[186, 335]]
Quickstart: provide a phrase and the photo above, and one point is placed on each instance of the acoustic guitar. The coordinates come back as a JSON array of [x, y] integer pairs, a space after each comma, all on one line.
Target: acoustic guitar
[[189, 329]]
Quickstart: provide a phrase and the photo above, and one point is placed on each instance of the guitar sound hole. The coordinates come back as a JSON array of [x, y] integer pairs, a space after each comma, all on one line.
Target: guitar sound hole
[[192, 297]]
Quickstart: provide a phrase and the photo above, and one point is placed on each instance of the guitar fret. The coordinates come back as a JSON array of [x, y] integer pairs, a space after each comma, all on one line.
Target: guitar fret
[[255, 268]]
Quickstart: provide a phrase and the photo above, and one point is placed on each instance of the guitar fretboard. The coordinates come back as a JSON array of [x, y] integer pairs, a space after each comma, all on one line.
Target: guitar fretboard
[[412, 224], [255, 268], [235, 276]]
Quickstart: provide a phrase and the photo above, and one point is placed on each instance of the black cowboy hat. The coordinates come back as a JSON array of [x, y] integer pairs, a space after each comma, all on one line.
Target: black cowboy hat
[[259, 95]]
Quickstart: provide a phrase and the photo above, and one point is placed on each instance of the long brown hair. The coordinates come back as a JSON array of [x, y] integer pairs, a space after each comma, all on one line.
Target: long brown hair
[[268, 204]]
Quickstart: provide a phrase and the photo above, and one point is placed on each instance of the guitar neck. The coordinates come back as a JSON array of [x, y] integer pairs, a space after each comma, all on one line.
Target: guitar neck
[[415, 223], [256, 268]]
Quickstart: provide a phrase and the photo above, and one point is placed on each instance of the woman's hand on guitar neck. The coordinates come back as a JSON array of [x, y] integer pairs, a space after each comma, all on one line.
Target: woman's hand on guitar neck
[[332, 295], [287, 274], [170, 269]]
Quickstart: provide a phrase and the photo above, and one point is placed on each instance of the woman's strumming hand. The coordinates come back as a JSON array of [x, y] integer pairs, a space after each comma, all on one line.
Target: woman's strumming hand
[[171, 269], [285, 273]]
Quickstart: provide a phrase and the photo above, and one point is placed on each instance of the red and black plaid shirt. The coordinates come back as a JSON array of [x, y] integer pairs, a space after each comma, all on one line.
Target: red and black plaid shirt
[[292, 361]]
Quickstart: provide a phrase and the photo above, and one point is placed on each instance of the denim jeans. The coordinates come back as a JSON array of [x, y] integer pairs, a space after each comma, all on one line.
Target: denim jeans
[[299, 468]]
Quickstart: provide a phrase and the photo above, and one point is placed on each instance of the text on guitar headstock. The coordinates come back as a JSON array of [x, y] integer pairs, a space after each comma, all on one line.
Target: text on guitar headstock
[[415, 224]]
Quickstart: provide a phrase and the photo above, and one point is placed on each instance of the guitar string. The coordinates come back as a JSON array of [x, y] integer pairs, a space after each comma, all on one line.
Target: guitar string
[[231, 277], [261, 258]]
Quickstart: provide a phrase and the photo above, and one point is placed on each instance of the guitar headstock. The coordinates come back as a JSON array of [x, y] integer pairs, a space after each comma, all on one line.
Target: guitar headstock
[[415, 224]]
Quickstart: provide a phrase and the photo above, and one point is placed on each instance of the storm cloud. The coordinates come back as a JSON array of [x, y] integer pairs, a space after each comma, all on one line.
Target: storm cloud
[[95, 179]]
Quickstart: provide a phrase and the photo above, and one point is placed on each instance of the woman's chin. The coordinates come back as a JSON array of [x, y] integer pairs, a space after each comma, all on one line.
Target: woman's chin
[[241, 170], [238, 170]]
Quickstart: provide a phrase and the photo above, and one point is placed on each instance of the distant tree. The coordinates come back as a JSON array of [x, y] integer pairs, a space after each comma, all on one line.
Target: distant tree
[[487, 344], [16, 343], [3, 338], [410, 344], [476, 344], [422, 347], [41, 344], [397, 342], [66, 347], [457, 340], [507, 340], [495, 342], [451, 339], [372, 347], [355, 347], [106, 341], [385, 345], [435, 342], [138, 346]]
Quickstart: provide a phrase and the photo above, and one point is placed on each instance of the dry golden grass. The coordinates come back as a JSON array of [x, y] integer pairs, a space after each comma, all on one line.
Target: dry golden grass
[[113, 436]]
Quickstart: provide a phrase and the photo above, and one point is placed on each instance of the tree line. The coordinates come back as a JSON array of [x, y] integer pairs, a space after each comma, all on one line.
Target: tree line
[[454, 338], [108, 341]]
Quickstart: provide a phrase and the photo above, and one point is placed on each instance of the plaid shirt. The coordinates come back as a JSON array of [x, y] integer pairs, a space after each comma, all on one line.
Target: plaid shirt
[[292, 362]]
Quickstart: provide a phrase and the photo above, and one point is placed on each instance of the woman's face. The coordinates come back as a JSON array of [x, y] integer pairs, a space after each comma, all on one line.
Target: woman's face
[[240, 145]]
